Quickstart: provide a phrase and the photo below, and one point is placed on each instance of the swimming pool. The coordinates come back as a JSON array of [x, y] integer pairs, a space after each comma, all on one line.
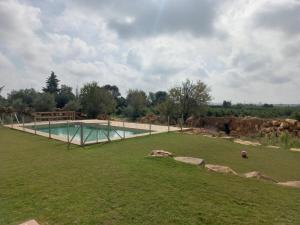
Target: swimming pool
[[89, 132]]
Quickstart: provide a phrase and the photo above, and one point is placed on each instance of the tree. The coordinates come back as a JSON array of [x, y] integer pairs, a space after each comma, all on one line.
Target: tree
[[96, 100], [64, 95], [226, 104], [113, 89], [44, 102], [51, 84], [73, 105], [168, 109], [27, 96], [157, 97], [191, 99], [1, 88], [18, 105], [136, 103]]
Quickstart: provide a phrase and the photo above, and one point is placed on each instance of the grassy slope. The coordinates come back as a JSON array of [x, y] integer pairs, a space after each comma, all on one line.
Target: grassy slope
[[116, 184]]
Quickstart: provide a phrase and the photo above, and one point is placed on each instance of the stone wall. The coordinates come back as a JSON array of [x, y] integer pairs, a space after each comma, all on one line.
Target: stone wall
[[247, 126]]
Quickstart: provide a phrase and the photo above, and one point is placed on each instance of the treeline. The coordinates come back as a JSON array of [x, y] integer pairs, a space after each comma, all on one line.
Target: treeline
[[95, 101], [261, 111]]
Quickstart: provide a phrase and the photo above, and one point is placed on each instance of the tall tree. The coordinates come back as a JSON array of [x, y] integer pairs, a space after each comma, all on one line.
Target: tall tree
[[64, 95], [136, 103], [157, 97], [52, 84], [113, 89], [1, 88], [44, 102], [190, 98], [96, 100], [27, 96]]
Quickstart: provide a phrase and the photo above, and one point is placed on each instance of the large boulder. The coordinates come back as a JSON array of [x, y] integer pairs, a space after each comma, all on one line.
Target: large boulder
[[190, 160], [220, 169], [295, 184], [259, 176], [160, 153], [291, 122]]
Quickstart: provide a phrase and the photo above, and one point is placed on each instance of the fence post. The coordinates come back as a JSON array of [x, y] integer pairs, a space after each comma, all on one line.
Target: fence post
[[11, 120], [97, 133], [49, 126], [34, 125], [68, 131], [168, 123], [108, 129], [81, 135], [23, 122], [123, 130]]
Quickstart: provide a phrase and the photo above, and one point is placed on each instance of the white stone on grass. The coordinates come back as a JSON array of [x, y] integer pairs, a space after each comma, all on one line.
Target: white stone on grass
[[190, 160]]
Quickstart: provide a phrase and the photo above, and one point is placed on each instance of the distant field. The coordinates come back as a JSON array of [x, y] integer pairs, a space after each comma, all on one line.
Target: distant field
[[116, 183]]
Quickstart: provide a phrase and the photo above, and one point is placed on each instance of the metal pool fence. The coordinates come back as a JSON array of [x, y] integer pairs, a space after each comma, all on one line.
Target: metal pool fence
[[29, 124]]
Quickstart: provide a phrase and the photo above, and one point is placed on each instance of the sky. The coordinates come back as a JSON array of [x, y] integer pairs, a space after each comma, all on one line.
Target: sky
[[246, 51]]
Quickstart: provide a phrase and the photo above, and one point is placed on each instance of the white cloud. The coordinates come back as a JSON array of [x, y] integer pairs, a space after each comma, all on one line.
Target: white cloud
[[227, 44]]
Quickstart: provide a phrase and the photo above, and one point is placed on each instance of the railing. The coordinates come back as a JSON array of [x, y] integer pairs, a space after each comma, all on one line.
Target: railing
[[82, 138]]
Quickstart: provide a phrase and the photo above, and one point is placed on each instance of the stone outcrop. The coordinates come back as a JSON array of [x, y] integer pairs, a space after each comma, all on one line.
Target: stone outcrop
[[190, 160], [160, 153], [246, 126], [220, 169]]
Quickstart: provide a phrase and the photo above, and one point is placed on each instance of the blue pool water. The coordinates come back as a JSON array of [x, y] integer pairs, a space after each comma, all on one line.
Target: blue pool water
[[91, 132]]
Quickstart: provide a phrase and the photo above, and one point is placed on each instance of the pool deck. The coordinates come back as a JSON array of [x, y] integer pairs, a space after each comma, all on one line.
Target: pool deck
[[155, 129]]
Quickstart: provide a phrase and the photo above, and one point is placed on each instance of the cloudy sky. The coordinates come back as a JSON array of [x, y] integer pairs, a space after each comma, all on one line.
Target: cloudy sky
[[245, 50]]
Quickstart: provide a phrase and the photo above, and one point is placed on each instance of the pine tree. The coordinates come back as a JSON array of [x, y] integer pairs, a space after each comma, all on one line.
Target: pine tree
[[51, 84]]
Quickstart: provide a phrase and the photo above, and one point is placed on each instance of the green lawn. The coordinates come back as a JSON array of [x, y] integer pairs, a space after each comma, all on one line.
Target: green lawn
[[116, 184]]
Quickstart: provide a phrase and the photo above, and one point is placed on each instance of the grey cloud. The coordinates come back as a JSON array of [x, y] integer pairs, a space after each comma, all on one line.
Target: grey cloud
[[285, 18], [149, 18], [250, 62]]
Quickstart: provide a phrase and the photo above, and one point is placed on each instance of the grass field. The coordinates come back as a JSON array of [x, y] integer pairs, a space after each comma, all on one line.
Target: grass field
[[116, 184]]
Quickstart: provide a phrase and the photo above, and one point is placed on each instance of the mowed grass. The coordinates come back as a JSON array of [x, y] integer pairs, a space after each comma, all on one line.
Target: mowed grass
[[116, 183]]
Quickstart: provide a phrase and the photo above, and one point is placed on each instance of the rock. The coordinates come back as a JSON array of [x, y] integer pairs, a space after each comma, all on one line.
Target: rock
[[259, 176], [291, 122], [160, 153], [276, 123], [244, 154], [228, 138], [239, 141], [30, 222], [208, 135], [284, 125], [272, 146], [295, 149], [191, 160], [220, 169], [290, 184]]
